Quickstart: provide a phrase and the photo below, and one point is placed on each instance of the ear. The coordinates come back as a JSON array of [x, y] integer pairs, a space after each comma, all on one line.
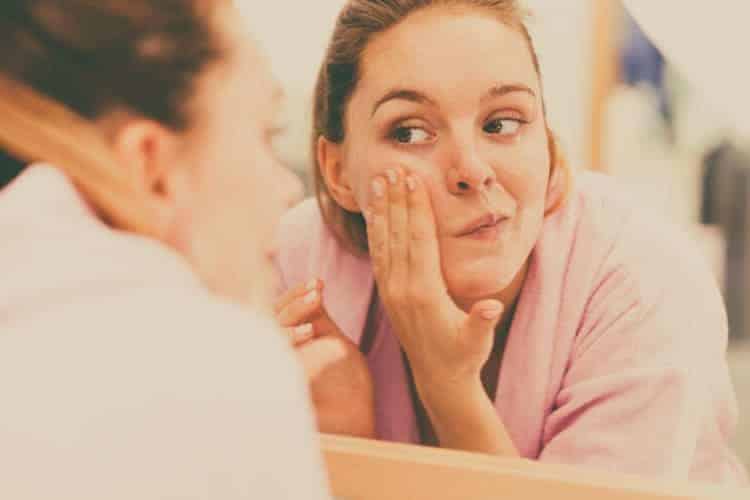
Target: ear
[[149, 151], [330, 161]]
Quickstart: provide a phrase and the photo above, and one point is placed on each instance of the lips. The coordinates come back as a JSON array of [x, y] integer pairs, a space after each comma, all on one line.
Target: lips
[[486, 222]]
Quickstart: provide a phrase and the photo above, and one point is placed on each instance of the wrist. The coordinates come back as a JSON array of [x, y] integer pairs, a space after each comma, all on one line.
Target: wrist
[[464, 418], [449, 395]]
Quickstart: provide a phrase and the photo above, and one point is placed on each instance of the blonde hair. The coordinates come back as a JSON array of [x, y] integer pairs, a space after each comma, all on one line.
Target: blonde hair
[[357, 24]]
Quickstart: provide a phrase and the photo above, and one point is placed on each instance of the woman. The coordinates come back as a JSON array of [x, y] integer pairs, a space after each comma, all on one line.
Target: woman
[[129, 365], [499, 306]]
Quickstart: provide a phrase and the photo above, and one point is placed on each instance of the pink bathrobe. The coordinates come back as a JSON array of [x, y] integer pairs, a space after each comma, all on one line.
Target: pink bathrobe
[[616, 354], [121, 377]]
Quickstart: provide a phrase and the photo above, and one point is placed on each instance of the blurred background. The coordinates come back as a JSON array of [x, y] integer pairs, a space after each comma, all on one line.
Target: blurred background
[[620, 106]]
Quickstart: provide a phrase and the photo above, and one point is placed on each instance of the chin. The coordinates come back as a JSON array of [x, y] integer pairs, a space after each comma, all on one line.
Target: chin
[[478, 279]]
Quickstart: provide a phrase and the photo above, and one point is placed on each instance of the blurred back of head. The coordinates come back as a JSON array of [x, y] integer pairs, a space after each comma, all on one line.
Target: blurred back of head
[[141, 56]]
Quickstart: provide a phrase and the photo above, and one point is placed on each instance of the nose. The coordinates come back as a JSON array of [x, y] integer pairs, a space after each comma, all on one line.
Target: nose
[[469, 173]]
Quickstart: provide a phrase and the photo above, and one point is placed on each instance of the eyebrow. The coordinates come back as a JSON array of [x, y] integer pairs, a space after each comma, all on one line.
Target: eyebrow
[[419, 98], [505, 89], [404, 95]]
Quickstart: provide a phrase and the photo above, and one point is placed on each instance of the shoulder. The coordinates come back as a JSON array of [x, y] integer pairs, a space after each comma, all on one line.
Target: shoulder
[[142, 343], [300, 237], [307, 249], [205, 325], [641, 240], [158, 379], [612, 228], [640, 267], [301, 226], [596, 210]]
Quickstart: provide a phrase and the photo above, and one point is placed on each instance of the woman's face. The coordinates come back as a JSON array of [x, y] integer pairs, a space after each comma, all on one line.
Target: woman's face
[[236, 189], [453, 96]]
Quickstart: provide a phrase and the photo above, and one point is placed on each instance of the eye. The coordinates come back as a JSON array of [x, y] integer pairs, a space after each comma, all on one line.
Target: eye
[[410, 135], [502, 126]]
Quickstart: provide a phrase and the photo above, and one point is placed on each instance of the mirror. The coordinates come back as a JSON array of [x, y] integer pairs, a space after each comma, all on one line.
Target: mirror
[[598, 83]]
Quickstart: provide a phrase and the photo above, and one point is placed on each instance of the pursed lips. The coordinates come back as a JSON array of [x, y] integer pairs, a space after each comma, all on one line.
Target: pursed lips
[[484, 223]]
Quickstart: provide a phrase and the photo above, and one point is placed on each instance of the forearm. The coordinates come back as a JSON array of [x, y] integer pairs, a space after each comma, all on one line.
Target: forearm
[[464, 418]]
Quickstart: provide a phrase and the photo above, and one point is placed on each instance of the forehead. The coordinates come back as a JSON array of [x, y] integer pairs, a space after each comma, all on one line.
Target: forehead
[[445, 51]]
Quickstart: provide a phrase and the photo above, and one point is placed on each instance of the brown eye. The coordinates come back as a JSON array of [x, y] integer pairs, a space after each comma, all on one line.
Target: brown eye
[[410, 135], [502, 126]]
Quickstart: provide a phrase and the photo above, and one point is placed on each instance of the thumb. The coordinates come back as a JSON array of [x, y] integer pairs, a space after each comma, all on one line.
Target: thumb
[[483, 319]]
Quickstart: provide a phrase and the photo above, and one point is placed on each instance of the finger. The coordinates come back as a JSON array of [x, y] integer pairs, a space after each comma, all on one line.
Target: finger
[[377, 230], [398, 230], [301, 334], [424, 251], [296, 292], [310, 309], [482, 320], [302, 309]]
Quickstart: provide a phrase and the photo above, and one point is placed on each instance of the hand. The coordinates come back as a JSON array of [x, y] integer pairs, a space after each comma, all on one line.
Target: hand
[[340, 383], [445, 345]]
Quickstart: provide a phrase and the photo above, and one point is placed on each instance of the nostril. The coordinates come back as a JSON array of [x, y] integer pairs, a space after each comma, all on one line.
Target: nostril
[[488, 182]]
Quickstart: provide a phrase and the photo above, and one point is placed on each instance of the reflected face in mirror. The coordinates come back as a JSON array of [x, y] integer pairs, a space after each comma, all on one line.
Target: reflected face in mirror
[[234, 189], [453, 96]]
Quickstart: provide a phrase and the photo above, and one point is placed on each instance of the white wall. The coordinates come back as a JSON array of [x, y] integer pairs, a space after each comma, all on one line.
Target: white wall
[[563, 33]]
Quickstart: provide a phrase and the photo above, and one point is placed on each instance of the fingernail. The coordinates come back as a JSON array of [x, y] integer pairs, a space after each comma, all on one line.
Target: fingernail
[[311, 297], [491, 312], [311, 285], [392, 177], [378, 188], [303, 331], [411, 183]]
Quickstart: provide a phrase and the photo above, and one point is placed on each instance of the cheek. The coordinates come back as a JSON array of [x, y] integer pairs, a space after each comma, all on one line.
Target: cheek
[[528, 188], [524, 172], [267, 191], [378, 158], [238, 194]]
